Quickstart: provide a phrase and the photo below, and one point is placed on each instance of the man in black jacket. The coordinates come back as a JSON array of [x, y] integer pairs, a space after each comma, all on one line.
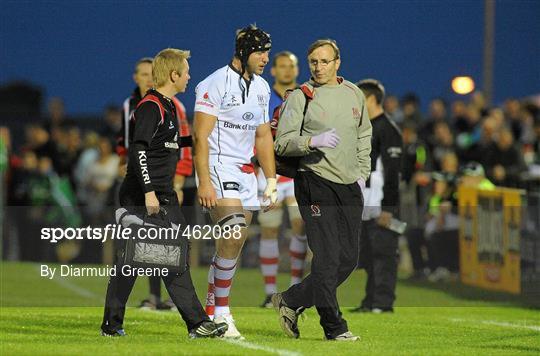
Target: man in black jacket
[[503, 160], [148, 186], [143, 78], [378, 244]]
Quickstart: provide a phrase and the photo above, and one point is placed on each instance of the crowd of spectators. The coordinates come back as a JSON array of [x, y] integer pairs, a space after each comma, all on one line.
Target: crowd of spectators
[[65, 176], [499, 144], [61, 176]]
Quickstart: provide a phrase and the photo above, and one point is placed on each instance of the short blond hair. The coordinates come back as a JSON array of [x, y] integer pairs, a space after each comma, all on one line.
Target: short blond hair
[[324, 42], [166, 62]]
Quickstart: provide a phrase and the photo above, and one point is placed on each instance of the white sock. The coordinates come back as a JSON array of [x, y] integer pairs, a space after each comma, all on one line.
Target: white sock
[[297, 251], [224, 270], [269, 257]]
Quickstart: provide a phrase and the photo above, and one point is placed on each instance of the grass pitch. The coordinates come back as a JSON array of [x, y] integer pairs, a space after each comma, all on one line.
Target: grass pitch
[[62, 317]]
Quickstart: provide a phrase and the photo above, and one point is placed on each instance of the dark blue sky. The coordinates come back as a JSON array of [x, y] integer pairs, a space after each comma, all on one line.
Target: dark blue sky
[[84, 51]]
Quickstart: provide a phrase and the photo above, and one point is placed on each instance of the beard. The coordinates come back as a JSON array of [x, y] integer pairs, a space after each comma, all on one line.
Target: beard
[[254, 70]]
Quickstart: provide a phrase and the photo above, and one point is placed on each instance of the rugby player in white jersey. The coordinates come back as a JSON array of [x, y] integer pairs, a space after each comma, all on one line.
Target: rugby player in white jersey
[[231, 117], [285, 72]]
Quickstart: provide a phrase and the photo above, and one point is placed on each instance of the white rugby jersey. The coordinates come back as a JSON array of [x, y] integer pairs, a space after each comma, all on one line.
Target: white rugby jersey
[[233, 138]]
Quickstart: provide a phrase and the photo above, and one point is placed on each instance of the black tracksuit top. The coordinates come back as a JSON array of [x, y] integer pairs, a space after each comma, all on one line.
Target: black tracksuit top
[[153, 147]]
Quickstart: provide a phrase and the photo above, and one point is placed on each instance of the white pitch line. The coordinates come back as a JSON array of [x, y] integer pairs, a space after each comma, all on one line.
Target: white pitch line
[[83, 292], [500, 323], [249, 345]]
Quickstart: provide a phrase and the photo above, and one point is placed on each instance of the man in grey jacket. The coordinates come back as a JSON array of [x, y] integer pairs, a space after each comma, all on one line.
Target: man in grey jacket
[[333, 139]]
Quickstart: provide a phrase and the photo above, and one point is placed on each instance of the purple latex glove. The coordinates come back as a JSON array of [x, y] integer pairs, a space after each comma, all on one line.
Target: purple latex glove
[[326, 139]]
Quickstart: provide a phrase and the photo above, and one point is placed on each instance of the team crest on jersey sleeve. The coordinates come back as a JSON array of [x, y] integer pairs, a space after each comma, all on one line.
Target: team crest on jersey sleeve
[[261, 99]]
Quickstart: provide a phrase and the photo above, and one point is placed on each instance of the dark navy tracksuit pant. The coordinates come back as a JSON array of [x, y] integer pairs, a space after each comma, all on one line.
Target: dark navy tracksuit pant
[[332, 215]]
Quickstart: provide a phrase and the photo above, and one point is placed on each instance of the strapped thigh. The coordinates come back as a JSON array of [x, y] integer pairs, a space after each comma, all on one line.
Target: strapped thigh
[[233, 219]]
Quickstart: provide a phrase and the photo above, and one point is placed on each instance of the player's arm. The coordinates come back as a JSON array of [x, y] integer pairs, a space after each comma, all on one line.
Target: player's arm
[[178, 185], [203, 125], [147, 119], [264, 146]]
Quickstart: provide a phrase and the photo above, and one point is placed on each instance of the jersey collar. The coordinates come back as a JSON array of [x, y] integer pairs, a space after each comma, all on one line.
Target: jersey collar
[[237, 72], [161, 97]]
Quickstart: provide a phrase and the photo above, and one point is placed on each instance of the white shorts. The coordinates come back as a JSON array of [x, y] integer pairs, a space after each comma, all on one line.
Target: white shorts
[[285, 190], [230, 182]]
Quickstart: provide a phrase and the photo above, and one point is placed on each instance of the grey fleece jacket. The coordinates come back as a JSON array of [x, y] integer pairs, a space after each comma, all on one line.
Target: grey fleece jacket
[[340, 106]]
